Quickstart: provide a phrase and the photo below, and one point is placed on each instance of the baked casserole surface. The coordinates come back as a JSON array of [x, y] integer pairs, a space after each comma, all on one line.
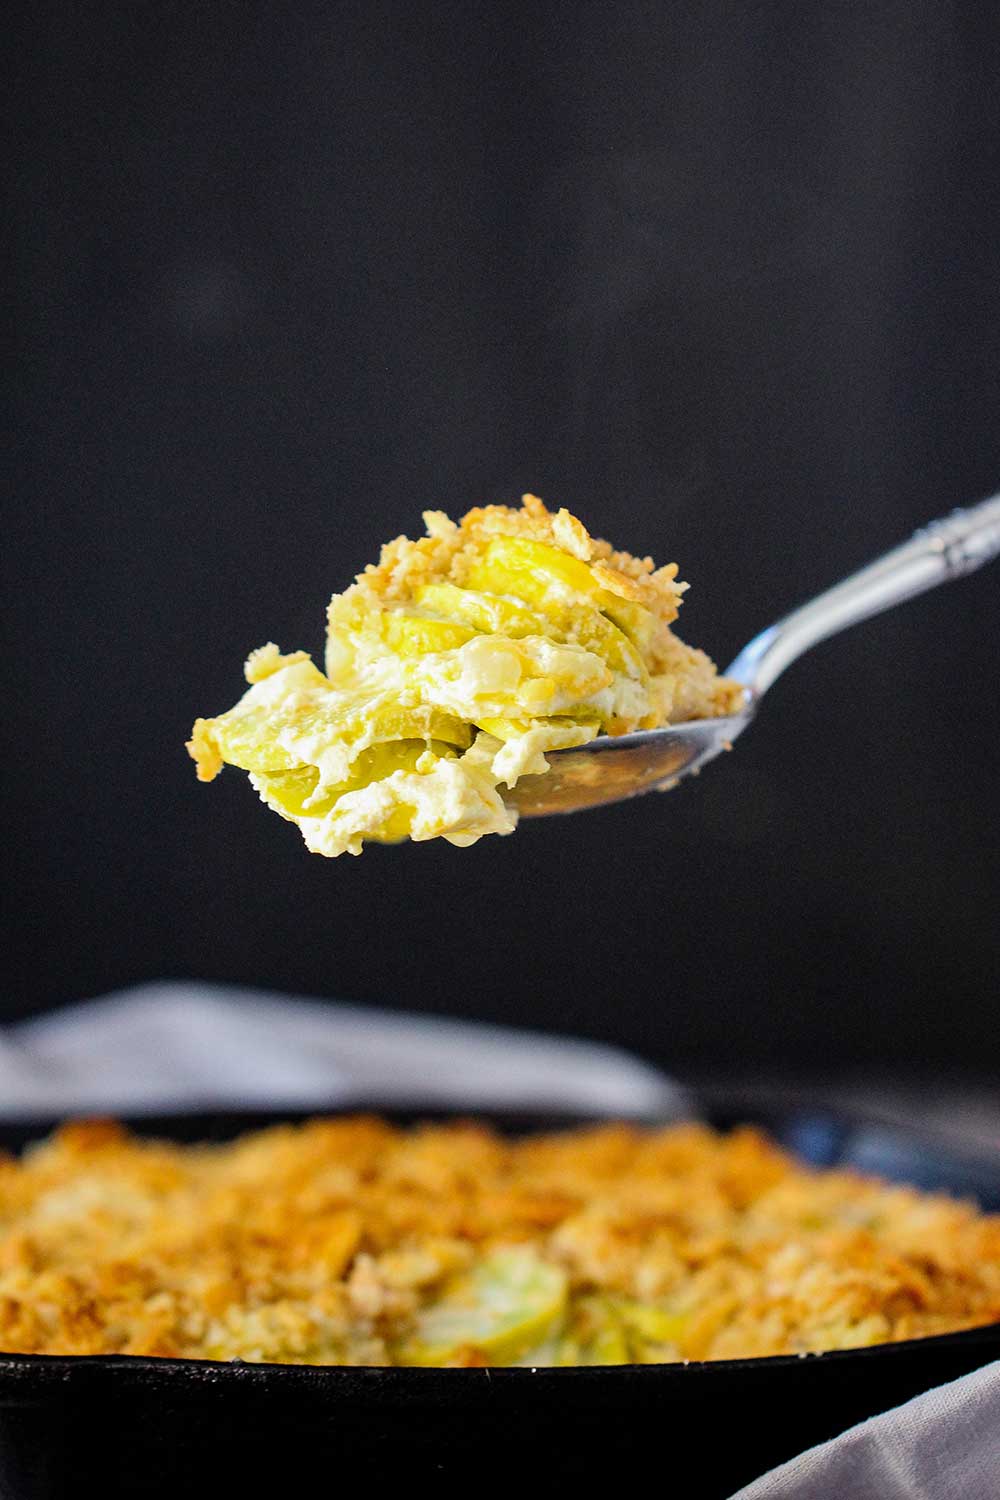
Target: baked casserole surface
[[349, 1241]]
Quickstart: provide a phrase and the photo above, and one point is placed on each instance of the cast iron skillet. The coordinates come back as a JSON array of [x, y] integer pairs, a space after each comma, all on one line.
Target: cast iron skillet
[[159, 1427]]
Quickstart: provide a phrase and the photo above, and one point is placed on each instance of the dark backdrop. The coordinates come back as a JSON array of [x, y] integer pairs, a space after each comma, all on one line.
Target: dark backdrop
[[723, 279]]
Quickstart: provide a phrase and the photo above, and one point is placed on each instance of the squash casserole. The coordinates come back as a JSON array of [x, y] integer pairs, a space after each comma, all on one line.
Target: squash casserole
[[347, 1241], [452, 668]]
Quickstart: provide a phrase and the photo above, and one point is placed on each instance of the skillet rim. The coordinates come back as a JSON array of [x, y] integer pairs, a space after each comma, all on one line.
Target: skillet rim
[[213, 1371]]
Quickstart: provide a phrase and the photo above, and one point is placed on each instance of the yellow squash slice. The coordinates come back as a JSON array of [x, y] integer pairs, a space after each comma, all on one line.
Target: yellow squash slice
[[506, 1304]]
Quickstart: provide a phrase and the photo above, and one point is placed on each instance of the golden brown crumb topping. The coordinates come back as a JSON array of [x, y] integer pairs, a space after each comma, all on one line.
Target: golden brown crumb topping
[[451, 548], [349, 1241]]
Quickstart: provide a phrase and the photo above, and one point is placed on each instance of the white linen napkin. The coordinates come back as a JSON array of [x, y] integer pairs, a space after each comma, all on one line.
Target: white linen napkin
[[177, 1046], [944, 1445], [187, 1046]]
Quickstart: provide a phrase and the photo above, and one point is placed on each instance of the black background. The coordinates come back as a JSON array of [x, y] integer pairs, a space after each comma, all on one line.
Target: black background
[[723, 279]]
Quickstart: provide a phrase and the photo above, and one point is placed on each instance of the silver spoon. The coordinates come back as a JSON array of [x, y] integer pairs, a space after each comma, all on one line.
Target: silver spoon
[[609, 769]]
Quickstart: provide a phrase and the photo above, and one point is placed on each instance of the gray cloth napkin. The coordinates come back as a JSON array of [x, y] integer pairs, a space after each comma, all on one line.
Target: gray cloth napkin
[[184, 1046]]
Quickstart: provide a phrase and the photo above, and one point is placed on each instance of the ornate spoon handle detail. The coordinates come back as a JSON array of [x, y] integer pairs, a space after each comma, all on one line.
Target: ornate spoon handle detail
[[946, 549]]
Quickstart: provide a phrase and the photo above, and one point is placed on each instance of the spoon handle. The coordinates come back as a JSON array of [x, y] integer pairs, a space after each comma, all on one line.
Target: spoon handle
[[946, 549]]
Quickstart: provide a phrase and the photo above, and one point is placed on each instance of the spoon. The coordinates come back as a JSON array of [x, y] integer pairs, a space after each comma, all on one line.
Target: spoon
[[611, 768]]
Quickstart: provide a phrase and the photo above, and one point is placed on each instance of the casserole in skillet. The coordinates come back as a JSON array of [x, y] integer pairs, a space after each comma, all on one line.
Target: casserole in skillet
[[146, 1425]]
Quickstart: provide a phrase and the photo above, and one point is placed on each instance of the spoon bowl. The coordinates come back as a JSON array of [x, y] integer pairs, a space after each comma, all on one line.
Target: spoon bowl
[[610, 769]]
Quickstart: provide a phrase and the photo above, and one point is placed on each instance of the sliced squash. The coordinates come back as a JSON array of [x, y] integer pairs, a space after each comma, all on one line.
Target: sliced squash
[[503, 1306]]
